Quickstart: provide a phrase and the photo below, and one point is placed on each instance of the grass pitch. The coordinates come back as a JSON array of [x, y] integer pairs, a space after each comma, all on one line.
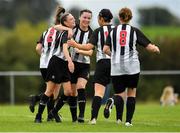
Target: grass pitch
[[148, 117]]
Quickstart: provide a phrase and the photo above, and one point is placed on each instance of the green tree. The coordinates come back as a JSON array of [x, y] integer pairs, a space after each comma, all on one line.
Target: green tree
[[157, 16], [18, 54], [33, 11]]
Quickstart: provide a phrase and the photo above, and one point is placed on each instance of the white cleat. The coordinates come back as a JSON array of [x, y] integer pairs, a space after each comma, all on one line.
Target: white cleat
[[92, 122], [118, 121], [127, 124]]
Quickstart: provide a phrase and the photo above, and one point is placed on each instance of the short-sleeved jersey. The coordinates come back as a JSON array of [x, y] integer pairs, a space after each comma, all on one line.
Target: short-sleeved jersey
[[49, 41], [98, 39], [81, 37], [124, 56], [63, 37]]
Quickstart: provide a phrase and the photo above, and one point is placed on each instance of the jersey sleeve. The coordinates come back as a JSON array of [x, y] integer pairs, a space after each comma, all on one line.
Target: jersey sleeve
[[64, 37], [141, 38], [94, 38]]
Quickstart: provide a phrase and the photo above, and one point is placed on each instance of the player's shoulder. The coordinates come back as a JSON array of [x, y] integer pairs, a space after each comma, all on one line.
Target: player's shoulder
[[90, 29], [135, 28]]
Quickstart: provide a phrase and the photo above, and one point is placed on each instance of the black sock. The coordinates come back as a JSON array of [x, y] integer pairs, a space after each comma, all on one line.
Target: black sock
[[38, 97], [119, 104], [73, 107], [50, 104], [130, 108], [42, 103], [81, 102], [61, 101], [96, 104]]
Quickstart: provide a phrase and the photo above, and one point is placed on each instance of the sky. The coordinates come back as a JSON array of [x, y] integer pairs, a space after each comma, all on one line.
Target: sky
[[114, 5]]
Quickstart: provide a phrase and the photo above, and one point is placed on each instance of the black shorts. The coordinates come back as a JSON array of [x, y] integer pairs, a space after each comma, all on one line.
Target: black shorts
[[102, 72], [120, 83], [43, 73], [81, 71], [58, 71]]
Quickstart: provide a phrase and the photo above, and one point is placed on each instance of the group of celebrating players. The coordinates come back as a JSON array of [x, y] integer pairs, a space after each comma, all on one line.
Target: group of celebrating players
[[65, 51]]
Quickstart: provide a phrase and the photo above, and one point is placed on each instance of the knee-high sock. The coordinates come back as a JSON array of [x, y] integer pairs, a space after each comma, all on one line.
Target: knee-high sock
[[130, 108], [62, 100], [42, 103], [73, 107], [38, 97], [81, 102], [96, 104], [119, 104], [50, 104]]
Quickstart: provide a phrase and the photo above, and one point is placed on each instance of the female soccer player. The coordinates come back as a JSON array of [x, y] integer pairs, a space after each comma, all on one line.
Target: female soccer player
[[44, 48], [102, 72], [59, 68], [81, 59], [125, 66]]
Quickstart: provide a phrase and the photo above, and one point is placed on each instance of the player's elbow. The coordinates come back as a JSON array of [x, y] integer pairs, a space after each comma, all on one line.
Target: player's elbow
[[38, 48], [90, 52]]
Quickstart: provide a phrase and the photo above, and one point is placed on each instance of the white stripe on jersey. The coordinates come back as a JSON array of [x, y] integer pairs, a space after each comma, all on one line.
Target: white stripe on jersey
[[100, 54], [80, 58], [124, 64], [48, 50], [59, 51]]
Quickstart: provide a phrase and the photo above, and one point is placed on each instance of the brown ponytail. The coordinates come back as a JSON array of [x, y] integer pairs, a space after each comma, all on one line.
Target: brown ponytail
[[59, 11], [125, 14]]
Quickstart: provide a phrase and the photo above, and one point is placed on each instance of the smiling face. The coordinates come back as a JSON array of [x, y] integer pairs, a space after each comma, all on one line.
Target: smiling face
[[70, 21], [85, 19]]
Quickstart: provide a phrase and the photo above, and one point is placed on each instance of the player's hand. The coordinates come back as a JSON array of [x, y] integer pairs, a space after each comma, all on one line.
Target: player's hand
[[71, 66], [71, 43], [156, 49]]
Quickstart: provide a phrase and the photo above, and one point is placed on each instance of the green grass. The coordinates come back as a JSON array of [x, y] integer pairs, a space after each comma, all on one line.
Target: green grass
[[158, 31], [148, 117]]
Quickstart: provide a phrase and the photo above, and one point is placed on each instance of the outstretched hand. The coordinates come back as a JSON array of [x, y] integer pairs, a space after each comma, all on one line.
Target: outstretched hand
[[153, 48], [156, 49]]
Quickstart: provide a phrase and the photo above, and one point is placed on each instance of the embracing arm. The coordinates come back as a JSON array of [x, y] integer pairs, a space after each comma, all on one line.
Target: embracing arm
[[66, 54], [84, 52], [60, 27], [74, 44]]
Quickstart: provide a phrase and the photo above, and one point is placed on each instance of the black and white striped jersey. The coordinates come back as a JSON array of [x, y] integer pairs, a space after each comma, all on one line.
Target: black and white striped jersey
[[58, 51], [124, 56], [81, 37], [98, 39], [49, 41]]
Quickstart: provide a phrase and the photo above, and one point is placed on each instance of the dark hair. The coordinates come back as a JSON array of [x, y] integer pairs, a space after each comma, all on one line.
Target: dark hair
[[64, 18], [125, 14], [106, 15], [59, 12], [85, 10]]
